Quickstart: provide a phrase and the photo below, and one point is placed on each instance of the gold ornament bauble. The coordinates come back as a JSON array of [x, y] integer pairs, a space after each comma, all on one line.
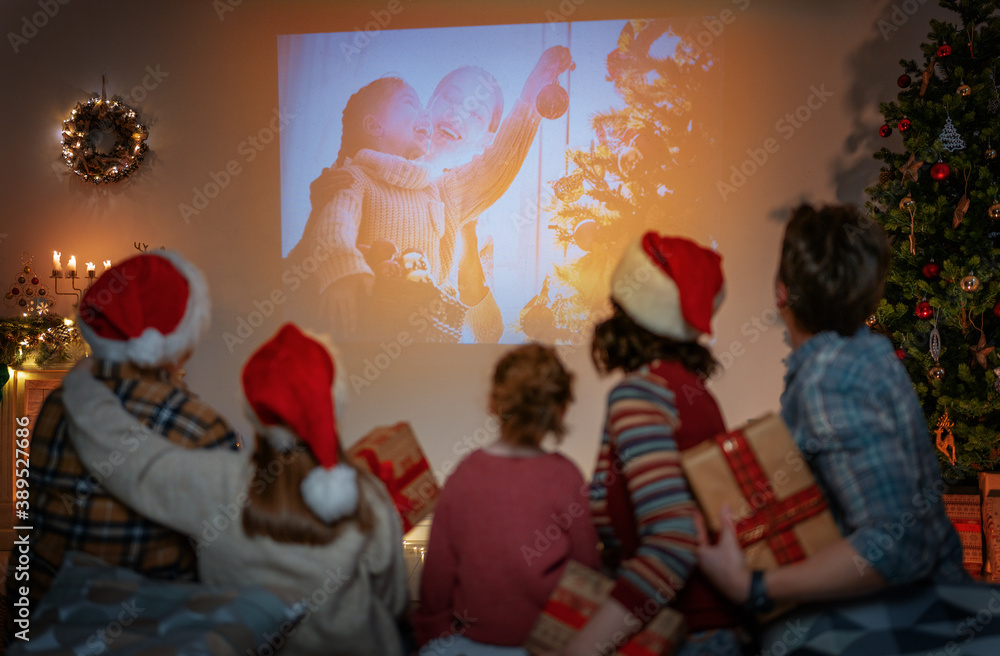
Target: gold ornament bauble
[[965, 90], [970, 283], [568, 189], [907, 202], [585, 234], [995, 211], [936, 372], [871, 320], [990, 153]]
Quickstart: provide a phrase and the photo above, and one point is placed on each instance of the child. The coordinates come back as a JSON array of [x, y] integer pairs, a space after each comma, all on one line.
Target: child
[[509, 519], [295, 513], [664, 293], [396, 199]]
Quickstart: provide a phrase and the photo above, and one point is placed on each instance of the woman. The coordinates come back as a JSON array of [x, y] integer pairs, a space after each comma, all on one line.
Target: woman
[[664, 293], [295, 514]]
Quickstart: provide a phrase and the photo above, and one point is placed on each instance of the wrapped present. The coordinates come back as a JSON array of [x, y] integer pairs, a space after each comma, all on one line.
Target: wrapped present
[[393, 454], [580, 592], [966, 515], [989, 482], [781, 514], [991, 534]]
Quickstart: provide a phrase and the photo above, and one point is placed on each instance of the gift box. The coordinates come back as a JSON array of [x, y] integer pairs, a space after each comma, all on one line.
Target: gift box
[[991, 534], [966, 515], [780, 513], [393, 454], [580, 592]]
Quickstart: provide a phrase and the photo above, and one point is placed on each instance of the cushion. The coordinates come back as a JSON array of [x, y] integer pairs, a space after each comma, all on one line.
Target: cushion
[[95, 608]]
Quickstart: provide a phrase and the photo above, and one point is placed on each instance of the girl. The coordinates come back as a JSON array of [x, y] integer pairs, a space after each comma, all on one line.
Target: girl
[[295, 514], [393, 198], [509, 519], [665, 291]]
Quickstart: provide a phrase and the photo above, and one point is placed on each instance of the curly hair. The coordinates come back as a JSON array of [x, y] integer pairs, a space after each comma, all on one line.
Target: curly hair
[[621, 343], [531, 390], [366, 100]]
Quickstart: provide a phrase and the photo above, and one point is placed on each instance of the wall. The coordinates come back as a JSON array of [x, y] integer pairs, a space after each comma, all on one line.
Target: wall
[[203, 75]]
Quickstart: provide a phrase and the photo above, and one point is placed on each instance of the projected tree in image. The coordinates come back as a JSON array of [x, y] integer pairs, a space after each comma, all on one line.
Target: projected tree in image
[[649, 167], [939, 201]]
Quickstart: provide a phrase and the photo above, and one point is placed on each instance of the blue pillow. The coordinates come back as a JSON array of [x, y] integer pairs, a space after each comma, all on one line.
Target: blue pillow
[[95, 608]]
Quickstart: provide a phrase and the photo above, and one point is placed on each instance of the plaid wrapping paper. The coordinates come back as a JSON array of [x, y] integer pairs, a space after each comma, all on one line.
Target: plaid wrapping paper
[[580, 592], [760, 474], [394, 455]]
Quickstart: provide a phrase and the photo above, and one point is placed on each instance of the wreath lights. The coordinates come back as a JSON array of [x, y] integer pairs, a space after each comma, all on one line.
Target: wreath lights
[[87, 126]]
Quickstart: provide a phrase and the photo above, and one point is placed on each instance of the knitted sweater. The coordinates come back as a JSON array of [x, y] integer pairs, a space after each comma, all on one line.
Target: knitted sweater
[[503, 531], [354, 587], [395, 199], [640, 500]]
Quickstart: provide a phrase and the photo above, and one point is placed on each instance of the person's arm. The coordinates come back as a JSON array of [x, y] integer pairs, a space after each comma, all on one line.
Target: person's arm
[[169, 484], [641, 423], [433, 617], [582, 534]]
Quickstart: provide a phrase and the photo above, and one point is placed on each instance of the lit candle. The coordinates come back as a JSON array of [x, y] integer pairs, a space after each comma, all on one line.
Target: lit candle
[[72, 265], [107, 263], [90, 269], [56, 264]]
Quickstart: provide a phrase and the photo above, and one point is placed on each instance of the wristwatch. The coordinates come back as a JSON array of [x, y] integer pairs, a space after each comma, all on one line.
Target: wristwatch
[[758, 603]]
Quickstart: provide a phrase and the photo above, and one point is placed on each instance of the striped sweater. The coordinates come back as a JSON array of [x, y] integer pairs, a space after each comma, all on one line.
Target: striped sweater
[[640, 501]]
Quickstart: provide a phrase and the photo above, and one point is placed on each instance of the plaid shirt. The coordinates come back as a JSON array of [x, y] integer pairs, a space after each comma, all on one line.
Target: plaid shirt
[[70, 510], [852, 410]]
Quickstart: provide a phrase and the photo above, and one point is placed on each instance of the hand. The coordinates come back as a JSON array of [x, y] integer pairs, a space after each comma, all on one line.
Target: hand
[[330, 182], [340, 301], [553, 61], [723, 563]]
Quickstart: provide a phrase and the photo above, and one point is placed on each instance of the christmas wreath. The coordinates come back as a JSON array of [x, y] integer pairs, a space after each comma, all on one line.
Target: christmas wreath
[[86, 130]]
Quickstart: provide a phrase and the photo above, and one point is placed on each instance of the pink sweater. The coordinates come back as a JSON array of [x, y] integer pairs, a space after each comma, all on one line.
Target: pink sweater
[[503, 530]]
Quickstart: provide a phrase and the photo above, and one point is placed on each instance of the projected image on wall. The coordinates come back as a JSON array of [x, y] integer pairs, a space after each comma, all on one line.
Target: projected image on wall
[[477, 184]]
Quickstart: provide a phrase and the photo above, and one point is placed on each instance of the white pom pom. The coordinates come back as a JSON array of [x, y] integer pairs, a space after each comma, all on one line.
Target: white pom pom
[[331, 493]]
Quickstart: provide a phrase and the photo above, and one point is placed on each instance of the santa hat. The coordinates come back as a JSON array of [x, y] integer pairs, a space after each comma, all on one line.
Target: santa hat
[[149, 310], [669, 285], [288, 383]]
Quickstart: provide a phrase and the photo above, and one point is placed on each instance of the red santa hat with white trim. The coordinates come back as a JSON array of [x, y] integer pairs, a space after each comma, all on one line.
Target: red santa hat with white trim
[[670, 286], [149, 310], [289, 386]]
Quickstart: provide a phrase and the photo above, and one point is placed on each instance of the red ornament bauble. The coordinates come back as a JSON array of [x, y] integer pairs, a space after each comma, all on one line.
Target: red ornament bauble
[[552, 101], [944, 51], [34, 281], [15, 291], [884, 131], [924, 310], [903, 81], [996, 309], [940, 171], [901, 354], [931, 270], [904, 125]]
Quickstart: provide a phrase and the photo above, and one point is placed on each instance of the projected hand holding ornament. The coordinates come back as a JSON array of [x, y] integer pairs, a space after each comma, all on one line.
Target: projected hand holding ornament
[[550, 65]]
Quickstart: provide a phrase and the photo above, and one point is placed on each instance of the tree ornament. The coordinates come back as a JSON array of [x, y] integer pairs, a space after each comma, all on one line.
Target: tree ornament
[[960, 211], [871, 320], [901, 354], [924, 310], [931, 270], [904, 125], [995, 211], [569, 189], [934, 342], [585, 234], [950, 138], [552, 101], [990, 153], [936, 372], [906, 203], [944, 51], [911, 169], [884, 178], [885, 130], [903, 81], [945, 445], [940, 171], [981, 351], [965, 91], [996, 309], [970, 283], [628, 160]]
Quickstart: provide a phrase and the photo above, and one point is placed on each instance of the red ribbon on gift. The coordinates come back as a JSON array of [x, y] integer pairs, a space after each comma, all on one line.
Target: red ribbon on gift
[[385, 471], [772, 519]]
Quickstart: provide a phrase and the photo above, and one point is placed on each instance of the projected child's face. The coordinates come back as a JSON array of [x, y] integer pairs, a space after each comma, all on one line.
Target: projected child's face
[[461, 114], [406, 126]]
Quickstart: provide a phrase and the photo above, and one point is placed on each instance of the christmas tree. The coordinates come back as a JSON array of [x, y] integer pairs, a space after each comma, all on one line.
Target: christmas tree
[[650, 166], [939, 202]]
